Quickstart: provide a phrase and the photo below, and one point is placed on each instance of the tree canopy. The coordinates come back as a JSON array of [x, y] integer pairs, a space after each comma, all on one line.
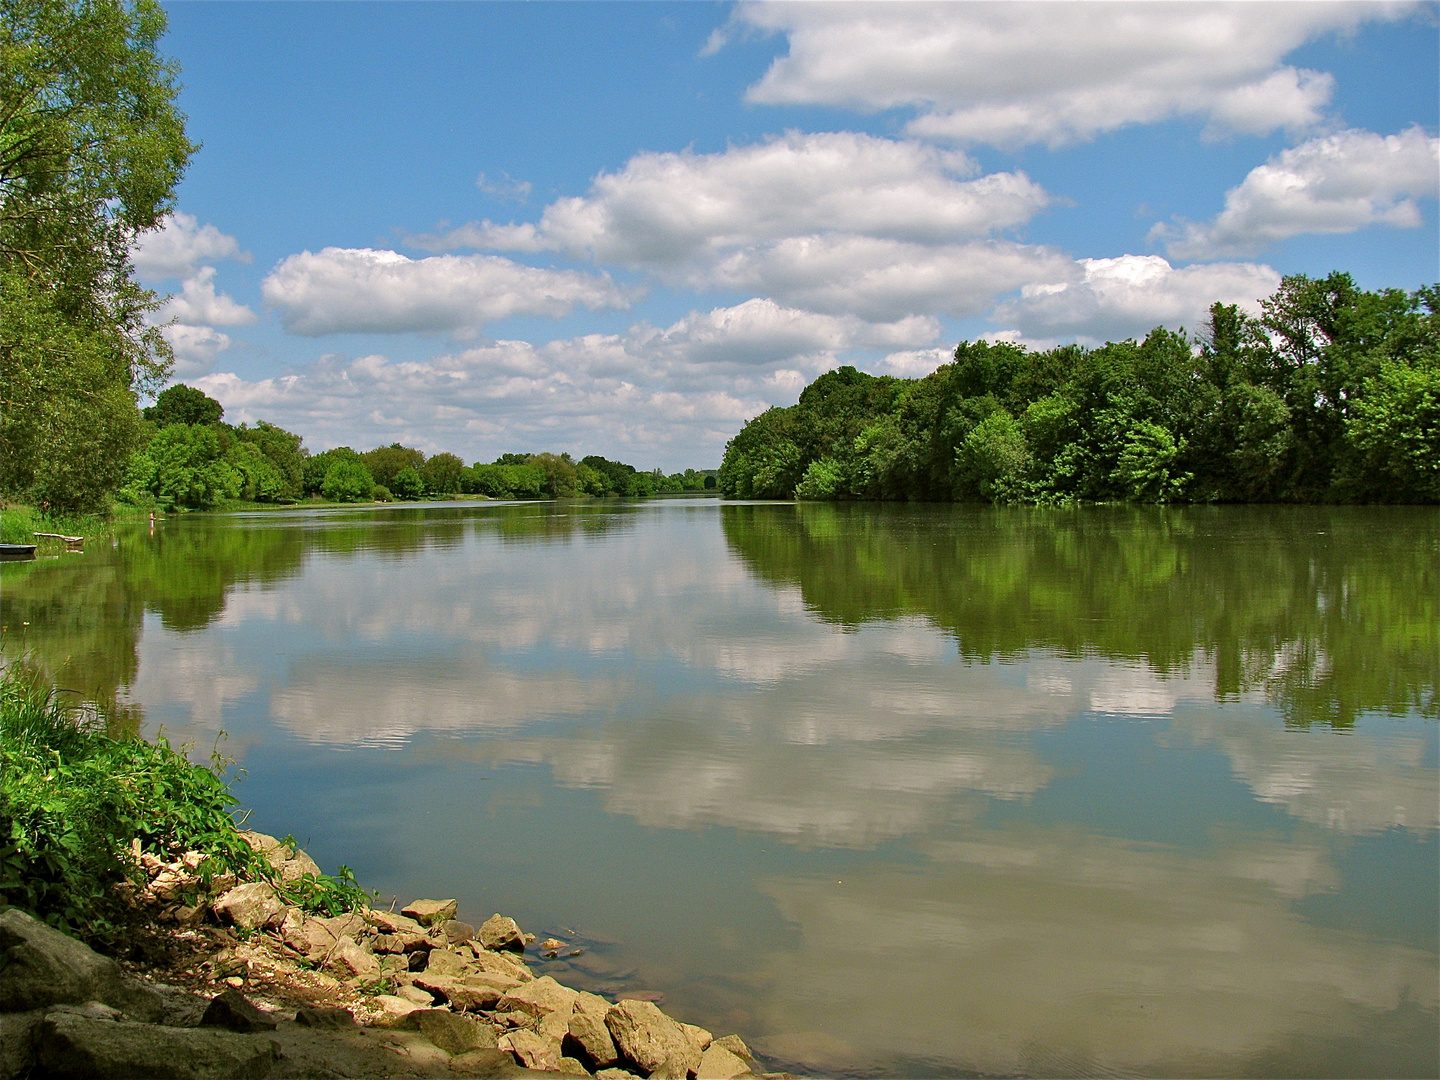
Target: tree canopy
[[1331, 394], [91, 149]]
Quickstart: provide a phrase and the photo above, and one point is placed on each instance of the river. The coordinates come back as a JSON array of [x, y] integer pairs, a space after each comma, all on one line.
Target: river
[[896, 790]]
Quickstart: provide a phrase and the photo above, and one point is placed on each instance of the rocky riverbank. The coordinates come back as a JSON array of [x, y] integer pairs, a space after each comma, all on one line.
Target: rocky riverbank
[[232, 982]]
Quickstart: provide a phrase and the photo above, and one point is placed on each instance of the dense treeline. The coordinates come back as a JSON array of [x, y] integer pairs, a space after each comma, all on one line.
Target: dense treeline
[[1331, 395], [188, 456]]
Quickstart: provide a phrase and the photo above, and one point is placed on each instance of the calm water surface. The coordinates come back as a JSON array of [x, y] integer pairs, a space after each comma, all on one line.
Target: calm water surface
[[895, 790]]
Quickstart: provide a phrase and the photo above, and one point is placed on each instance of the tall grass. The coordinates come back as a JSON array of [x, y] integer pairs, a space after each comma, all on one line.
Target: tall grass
[[73, 800], [19, 523]]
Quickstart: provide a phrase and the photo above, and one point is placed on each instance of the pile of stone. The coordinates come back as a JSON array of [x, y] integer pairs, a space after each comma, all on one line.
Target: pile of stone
[[418, 993]]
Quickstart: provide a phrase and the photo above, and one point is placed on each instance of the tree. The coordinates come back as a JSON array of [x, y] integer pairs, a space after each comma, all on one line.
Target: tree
[[285, 452], [181, 404], [442, 474], [347, 480], [184, 466], [91, 149], [407, 484], [385, 462]]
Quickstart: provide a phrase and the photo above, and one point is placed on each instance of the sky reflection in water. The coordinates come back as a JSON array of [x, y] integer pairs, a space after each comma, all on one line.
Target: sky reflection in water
[[927, 790]]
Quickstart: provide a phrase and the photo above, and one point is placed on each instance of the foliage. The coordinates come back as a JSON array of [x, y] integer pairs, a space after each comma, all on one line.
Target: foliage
[[1331, 395], [441, 474], [407, 484], [347, 481], [185, 465], [73, 799], [385, 462], [181, 404], [91, 149]]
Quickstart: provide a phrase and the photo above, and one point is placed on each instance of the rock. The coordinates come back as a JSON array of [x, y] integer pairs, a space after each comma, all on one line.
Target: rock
[[250, 907], [551, 944], [349, 925], [483, 1063], [290, 863], [444, 962], [461, 994], [615, 1074], [502, 964], [590, 1034], [388, 943], [569, 1066], [17, 1043], [168, 884], [675, 1067], [456, 931], [416, 995], [395, 1007], [233, 1011], [718, 1063], [532, 1050], [452, 1033], [392, 923], [698, 1035], [736, 1046], [540, 998], [44, 967], [75, 1046], [431, 912], [499, 933], [649, 1038], [94, 1010], [333, 1018], [352, 961]]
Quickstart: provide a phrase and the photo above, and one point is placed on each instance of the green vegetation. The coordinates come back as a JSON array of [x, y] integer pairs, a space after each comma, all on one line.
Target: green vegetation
[[1331, 395], [91, 149], [77, 807]]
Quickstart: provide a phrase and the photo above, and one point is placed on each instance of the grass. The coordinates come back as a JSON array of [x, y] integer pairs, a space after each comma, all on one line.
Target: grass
[[19, 523], [74, 799]]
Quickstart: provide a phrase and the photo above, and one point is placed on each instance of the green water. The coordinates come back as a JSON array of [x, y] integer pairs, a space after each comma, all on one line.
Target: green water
[[887, 790]]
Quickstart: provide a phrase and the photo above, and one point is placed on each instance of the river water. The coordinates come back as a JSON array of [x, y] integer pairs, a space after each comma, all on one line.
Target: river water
[[897, 790]]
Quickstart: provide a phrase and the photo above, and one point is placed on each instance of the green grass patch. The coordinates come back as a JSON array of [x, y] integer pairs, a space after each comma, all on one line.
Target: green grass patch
[[74, 798]]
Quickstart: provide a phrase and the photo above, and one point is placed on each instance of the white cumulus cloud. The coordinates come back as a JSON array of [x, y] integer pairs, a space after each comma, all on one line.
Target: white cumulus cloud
[[1112, 299], [180, 245], [198, 304], [196, 348], [360, 290], [1335, 184], [1017, 73]]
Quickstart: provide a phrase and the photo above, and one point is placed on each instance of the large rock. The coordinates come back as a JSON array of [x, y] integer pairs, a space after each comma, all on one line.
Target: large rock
[[736, 1046], [501, 964], [717, 1063], [592, 1038], [445, 962], [431, 912], [81, 1048], [289, 863], [456, 931], [44, 967], [533, 1050], [540, 998], [451, 1033], [351, 961], [250, 907], [499, 933], [233, 1011], [391, 923], [463, 994], [649, 1038]]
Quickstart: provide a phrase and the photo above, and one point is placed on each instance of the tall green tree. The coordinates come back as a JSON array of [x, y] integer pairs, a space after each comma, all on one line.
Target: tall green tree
[[91, 149]]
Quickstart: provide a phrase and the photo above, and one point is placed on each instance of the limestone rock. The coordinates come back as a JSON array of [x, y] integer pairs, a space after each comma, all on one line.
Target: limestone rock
[[391, 923], [649, 1038], [569, 1066], [532, 1050], [698, 1035], [457, 931], [17, 1042], [44, 967], [450, 1032], [616, 1074], [675, 1067], [233, 1011], [333, 1018], [431, 912], [460, 993], [593, 1038], [540, 998], [736, 1046], [499, 933], [75, 1046], [483, 1063], [502, 964], [394, 1006], [718, 1063], [444, 962], [416, 995], [352, 961], [250, 907]]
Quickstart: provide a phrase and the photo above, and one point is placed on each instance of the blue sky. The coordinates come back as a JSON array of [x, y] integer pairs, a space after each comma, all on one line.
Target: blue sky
[[626, 228]]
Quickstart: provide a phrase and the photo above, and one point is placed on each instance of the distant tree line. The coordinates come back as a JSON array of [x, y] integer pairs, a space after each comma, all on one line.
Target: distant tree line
[[190, 457], [1332, 394]]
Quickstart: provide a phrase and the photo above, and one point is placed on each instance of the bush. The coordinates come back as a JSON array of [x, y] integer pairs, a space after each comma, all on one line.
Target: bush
[[347, 481], [73, 800]]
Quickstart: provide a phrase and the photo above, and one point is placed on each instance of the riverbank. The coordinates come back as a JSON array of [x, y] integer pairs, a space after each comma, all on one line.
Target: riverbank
[[231, 954]]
